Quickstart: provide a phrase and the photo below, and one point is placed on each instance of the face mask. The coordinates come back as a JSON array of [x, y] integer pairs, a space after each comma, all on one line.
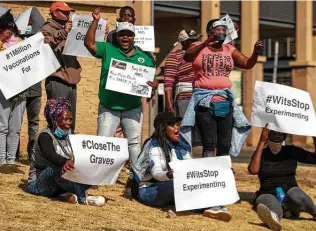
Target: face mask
[[220, 38], [275, 147], [60, 132], [28, 29]]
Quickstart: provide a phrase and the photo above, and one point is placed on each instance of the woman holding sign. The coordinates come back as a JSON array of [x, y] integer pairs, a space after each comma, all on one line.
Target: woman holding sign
[[11, 110], [153, 177], [118, 108], [279, 195], [53, 156]]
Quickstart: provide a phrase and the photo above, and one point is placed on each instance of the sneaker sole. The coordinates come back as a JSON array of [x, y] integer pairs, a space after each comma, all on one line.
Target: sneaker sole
[[72, 199], [264, 214], [218, 215]]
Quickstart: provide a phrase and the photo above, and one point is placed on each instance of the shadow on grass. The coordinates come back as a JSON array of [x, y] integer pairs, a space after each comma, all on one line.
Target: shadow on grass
[[247, 197], [258, 224], [23, 185]]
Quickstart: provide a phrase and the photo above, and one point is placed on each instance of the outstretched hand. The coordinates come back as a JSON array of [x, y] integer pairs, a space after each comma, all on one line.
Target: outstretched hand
[[96, 14], [258, 48], [264, 134]]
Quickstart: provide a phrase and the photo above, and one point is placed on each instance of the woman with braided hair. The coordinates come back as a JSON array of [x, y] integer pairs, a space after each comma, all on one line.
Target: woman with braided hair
[[53, 156]]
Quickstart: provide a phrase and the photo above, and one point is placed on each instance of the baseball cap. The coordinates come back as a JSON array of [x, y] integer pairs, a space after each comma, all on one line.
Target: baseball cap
[[188, 34], [60, 6], [166, 117], [125, 26]]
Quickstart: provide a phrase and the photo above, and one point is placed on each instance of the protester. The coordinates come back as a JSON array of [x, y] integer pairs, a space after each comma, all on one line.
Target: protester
[[117, 108], [127, 14], [276, 166], [53, 156], [179, 72], [212, 105], [62, 83], [11, 110], [33, 96], [153, 184]]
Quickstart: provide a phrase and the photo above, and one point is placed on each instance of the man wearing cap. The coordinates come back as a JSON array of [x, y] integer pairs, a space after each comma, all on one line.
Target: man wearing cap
[[62, 83], [180, 72], [114, 107]]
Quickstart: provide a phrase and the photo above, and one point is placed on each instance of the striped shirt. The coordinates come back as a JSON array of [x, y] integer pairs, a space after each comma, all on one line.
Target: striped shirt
[[178, 71]]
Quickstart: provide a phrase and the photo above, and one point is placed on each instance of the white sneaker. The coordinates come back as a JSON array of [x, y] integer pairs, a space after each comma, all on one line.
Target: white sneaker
[[218, 214], [268, 217], [95, 200]]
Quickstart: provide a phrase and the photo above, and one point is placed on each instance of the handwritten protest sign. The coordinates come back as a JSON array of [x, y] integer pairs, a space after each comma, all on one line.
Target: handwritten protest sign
[[129, 78], [25, 64], [204, 182], [22, 20], [98, 159], [75, 41], [231, 31], [145, 38], [285, 109]]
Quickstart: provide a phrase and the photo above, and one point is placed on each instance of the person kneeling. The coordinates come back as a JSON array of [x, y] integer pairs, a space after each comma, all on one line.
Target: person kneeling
[[153, 177], [279, 195], [53, 156]]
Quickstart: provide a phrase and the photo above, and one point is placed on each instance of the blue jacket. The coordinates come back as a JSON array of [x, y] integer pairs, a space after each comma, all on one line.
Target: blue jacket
[[202, 97]]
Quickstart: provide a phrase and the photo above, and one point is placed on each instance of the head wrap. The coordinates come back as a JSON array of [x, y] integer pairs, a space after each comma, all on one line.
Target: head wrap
[[55, 108]]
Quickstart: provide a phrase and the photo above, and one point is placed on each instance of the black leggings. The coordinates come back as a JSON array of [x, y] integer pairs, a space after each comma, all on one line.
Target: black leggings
[[215, 132], [296, 201]]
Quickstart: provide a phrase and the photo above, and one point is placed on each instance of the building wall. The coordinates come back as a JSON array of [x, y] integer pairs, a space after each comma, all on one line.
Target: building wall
[[87, 90]]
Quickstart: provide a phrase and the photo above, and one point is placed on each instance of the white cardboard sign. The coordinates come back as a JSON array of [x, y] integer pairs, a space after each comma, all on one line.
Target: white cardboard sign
[[25, 64], [75, 41], [129, 78], [285, 109], [98, 159], [204, 182], [145, 38]]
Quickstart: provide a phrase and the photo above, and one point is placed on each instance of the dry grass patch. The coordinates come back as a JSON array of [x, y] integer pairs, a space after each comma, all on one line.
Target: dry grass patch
[[22, 211]]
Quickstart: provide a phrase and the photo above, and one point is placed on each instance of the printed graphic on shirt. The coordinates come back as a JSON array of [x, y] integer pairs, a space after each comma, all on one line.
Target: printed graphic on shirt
[[219, 64]]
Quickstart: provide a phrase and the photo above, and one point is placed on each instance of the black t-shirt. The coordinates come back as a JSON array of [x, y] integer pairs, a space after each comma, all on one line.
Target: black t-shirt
[[280, 170]]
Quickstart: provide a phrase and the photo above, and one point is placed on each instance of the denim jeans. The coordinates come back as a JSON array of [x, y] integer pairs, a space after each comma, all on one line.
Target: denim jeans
[[50, 183], [131, 122], [11, 116], [158, 194]]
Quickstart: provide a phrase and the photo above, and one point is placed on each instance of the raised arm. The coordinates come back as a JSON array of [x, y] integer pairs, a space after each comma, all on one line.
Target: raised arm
[[254, 165], [89, 41], [243, 62], [194, 49]]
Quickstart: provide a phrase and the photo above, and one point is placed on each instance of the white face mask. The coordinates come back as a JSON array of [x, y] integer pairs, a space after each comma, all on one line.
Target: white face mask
[[275, 147]]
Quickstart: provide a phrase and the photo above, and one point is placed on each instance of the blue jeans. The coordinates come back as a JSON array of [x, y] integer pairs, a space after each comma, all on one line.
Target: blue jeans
[[131, 122], [50, 183], [158, 194]]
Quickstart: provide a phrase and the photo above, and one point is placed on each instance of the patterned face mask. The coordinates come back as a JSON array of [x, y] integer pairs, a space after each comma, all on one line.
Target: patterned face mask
[[275, 147]]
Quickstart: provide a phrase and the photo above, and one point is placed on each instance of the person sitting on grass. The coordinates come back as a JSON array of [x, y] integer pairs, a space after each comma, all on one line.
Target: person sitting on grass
[[276, 166], [53, 156], [153, 177]]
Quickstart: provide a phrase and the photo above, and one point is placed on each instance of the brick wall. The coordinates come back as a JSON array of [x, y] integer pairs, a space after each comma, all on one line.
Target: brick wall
[[87, 100]]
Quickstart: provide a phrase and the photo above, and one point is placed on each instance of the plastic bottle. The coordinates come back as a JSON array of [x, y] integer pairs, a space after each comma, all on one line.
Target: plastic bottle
[[280, 195]]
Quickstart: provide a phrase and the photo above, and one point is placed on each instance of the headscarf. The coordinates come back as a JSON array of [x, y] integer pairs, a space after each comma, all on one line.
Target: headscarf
[[55, 108]]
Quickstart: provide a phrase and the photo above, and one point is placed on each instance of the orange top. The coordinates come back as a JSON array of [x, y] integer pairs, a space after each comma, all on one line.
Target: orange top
[[212, 68]]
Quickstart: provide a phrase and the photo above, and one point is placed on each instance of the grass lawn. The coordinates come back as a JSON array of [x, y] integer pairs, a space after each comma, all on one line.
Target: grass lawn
[[22, 211]]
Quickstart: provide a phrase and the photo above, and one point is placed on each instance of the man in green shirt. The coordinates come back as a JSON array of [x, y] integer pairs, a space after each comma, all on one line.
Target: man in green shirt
[[118, 108]]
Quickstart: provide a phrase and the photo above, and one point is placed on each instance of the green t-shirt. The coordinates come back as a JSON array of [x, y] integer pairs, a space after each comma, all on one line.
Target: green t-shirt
[[111, 99]]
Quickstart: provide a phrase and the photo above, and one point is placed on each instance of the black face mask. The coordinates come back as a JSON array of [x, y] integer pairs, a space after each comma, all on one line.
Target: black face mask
[[220, 37]]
